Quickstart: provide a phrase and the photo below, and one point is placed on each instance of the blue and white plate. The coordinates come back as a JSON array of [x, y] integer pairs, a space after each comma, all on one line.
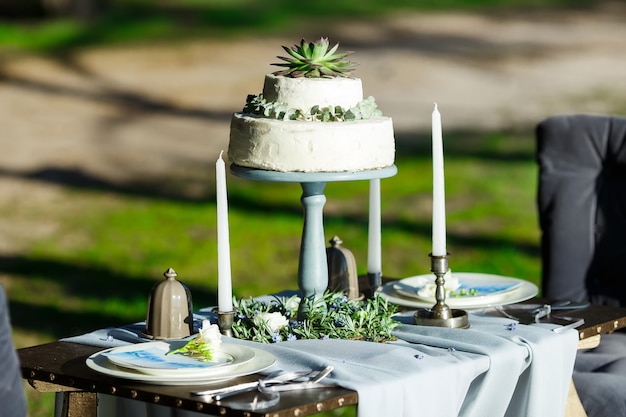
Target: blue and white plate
[[472, 291], [186, 376], [152, 358]]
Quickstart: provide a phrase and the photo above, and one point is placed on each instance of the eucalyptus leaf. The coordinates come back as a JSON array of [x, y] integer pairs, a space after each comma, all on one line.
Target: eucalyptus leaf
[[331, 316], [259, 106]]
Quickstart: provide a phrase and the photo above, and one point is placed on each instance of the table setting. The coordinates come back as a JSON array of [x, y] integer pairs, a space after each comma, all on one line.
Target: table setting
[[438, 344], [496, 366]]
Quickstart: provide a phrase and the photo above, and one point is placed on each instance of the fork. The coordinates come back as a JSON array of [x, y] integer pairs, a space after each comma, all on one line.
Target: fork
[[294, 386], [272, 386], [537, 313], [277, 377]]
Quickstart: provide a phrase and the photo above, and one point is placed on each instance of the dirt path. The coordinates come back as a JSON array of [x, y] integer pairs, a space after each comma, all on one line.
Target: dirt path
[[161, 113]]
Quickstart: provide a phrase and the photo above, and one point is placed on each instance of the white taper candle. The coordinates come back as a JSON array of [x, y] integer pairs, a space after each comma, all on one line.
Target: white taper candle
[[374, 263], [224, 282], [439, 202]]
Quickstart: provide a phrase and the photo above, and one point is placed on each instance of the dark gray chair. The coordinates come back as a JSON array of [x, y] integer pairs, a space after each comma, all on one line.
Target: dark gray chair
[[582, 214], [12, 399]]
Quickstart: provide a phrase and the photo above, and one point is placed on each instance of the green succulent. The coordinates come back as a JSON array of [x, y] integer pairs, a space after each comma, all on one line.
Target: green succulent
[[315, 60]]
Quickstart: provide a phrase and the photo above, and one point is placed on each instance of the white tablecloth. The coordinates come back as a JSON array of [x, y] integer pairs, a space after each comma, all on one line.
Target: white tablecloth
[[491, 369]]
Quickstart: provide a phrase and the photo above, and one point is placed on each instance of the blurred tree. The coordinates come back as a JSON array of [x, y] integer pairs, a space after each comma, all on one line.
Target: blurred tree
[[84, 10], [21, 8]]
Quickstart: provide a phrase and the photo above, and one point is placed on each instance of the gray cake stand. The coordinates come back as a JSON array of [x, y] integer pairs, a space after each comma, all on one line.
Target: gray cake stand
[[312, 265]]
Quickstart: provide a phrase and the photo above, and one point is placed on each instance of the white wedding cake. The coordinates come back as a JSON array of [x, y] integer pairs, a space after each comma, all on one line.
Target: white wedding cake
[[312, 121]]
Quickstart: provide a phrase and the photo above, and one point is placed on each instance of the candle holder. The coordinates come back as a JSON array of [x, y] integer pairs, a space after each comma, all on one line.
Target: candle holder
[[375, 280], [440, 314], [225, 322]]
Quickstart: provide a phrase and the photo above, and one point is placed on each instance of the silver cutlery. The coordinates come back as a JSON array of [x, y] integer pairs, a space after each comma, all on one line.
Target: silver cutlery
[[294, 386], [568, 305], [280, 375], [569, 323], [536, 312], [273, 379], [554, 305], [544, 312]]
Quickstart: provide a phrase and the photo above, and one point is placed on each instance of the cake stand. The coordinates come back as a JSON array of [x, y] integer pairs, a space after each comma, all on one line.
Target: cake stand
[[312, 265]]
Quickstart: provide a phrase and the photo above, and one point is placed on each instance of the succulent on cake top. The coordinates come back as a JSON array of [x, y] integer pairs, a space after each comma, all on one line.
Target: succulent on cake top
[[315, 60]]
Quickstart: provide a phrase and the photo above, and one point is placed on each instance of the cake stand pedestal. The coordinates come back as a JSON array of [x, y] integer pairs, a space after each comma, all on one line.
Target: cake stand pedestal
[[312, 265]]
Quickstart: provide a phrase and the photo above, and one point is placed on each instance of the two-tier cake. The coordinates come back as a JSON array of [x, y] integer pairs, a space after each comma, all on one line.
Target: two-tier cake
[[312, 117]]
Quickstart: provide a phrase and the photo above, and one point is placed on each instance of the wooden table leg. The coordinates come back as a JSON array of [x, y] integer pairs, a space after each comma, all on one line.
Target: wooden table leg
[[76, 403], [573, 406], [80, 404]]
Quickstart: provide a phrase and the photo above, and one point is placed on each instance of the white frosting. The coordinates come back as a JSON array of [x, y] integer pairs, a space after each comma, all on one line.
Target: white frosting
[[299, 146], [311, 146], [304, 93]]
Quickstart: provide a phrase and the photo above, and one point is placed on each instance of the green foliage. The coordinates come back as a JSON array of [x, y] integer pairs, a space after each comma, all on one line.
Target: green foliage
[[332, 316], [259, 106]]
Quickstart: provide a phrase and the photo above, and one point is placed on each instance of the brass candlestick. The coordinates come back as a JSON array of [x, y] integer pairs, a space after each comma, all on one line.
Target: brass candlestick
[[440, 314]]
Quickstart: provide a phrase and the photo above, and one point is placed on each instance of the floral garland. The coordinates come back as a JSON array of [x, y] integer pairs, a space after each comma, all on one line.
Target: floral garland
[[332, 316], [259, 106]]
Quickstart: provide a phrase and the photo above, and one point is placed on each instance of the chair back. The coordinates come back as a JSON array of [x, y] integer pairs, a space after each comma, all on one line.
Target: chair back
[[582, 207], [12, 396]]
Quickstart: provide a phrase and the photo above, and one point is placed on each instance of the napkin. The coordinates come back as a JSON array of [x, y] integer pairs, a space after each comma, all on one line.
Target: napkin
[[391, 379], [543, 387], [530, 370], [133, 333], [111, 336]]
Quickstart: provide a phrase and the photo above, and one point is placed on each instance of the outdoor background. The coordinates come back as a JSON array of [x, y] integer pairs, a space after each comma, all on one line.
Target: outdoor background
[[112, 117]]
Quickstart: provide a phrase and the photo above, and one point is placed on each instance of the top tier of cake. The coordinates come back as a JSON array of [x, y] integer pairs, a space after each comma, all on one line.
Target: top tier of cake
[[304, 93]]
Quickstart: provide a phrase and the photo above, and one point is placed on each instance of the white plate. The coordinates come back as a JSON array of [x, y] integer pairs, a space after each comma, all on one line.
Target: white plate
[[152, 358], [487, 288], [262, 360], [520, 290]]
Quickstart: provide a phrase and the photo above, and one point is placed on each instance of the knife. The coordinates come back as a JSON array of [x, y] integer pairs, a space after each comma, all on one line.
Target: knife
[[554, 306]]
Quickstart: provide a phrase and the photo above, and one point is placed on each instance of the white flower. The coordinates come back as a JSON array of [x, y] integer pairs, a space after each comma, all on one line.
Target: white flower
[[275, 321], [204, 344], [210, 335], [292, 304]]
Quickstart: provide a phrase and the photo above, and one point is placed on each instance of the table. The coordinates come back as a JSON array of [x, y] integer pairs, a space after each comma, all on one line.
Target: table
[[60, 367], [599, 320]]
